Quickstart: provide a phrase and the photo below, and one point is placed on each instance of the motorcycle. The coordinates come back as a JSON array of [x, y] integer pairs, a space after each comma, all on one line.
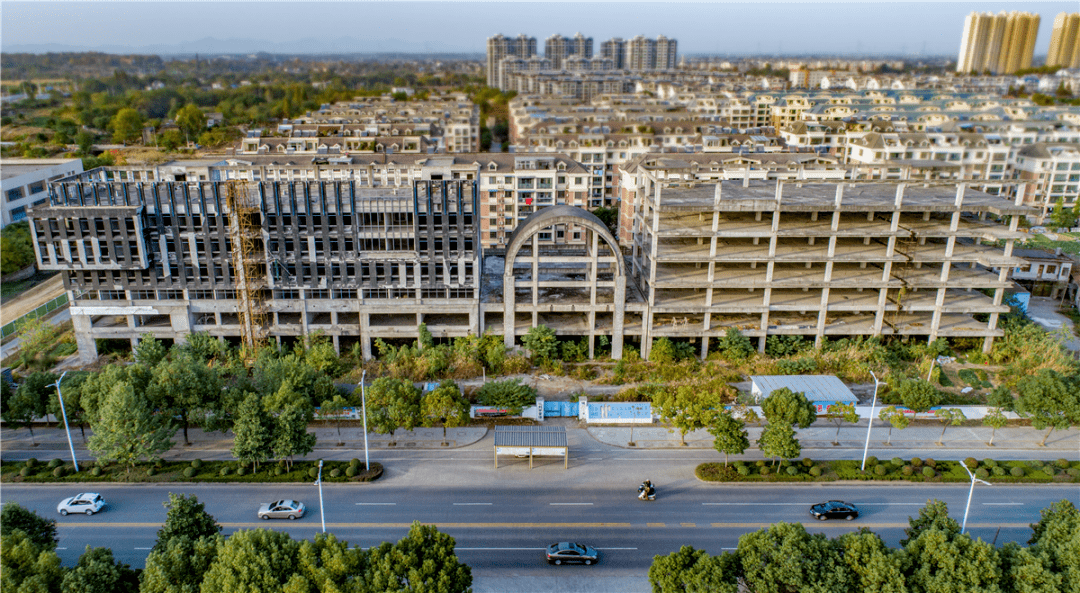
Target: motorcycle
[[646, 492]]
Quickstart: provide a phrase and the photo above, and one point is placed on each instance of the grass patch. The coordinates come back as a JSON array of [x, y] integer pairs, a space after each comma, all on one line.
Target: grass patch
[[174, 471], [944, 471]]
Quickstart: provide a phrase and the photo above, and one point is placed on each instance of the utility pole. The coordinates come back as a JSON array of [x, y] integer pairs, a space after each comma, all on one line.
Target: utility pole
[[363, 403], [873, 405], [322, 510], [963, 525], [67, 428]]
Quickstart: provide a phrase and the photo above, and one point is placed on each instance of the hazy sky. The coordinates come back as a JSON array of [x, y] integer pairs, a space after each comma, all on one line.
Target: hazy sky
[[700, 27]]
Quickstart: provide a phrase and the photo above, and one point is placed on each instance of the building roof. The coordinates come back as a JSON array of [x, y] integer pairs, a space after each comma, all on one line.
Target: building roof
[[817, 388], [530, 436], [14, 167]]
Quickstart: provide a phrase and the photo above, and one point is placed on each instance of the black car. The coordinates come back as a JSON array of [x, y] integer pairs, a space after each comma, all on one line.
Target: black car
[[834, 509], [567, 552]]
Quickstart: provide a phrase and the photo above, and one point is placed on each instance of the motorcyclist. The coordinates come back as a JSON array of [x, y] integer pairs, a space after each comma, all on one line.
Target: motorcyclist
[[646, 490]]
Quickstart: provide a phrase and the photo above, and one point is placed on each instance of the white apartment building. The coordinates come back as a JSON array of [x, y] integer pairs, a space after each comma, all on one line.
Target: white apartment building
[[1049, 172], [26, 183]]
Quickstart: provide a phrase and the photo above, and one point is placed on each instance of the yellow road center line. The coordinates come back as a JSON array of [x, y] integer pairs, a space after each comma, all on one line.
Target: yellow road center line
[[654, 525], [688, 524]]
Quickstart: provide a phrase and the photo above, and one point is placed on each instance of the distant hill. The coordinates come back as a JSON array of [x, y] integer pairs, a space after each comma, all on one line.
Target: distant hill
[[211, 46]]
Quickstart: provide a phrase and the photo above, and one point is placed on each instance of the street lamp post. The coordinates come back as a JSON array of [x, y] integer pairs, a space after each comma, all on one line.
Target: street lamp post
[[870, 424], [963, 525], [363, 403], [322, 511], [67, 428]]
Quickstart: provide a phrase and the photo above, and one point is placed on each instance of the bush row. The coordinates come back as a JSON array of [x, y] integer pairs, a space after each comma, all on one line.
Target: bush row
[[914, 469], [190, 471]]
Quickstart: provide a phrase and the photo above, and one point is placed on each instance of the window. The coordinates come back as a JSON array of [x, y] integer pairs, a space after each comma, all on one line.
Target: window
[[37, 187], [15, 194]]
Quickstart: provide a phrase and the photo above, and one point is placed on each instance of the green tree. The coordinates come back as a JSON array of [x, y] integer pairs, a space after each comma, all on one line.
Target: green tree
[[778, 441], [734, 345], [729, 434], [895, 418], [254, 432], [935, 515], [786, 559], [85, 140], [26, 567], [307, 381], [995, 419], [1025, 570], [542, 343], [945, 561], [252, 561], [686, 408], [790, 408], [150, 351], [1056, 540], [918, 395], [1048, 398], [335, 408], [191, 121], [425, 340], [185, 517], [127, 125], [41, 531], [949, 417], [16, 247], [663, 351], [511, 394], [185, 387], [694, 571], [422, 561], [179, 564], [1062, 217], [128, 430], [330, 564], [37, 336], [444, 405], [393, 404], [839, 413], [873, 565], [98, 572], [29, 402], [291, 437], [71, 388]]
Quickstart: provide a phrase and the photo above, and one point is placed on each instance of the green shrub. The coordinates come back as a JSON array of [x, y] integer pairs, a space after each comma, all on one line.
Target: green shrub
[[871, 461], [335, 473], [880, 470], [989, 463], [31, 462], [1017, 471], [998, 471], [971, 462], [916, 462], [765, 470], [792, 470], [350, 472], [743, 470], [1049, 469], [196, 463], [150, 471], [1062, 463], [760, 463], [24, 472], [241, 470], [96, 472], [807, 462], [55, 463], [815, 471], [354, 462], [897, 461], [928, 471], [930, 462], [738, 463], [907, 470], [785, 463], [279, 471], [982, 473], [59, 472], [1073, 472], [189, 472], [313, 472], [224, 471]]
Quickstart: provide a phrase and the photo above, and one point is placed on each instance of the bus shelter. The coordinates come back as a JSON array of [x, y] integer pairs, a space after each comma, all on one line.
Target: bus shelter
[[533, 441]]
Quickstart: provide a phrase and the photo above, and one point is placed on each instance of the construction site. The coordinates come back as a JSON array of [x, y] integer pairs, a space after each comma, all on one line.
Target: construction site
[[275, 260]]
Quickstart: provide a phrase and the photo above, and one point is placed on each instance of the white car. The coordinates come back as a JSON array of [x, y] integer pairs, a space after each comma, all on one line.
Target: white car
[[282, 509], [87, 502]]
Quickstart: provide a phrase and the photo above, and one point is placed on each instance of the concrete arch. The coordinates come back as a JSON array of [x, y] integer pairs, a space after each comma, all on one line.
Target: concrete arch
[[546, 218]]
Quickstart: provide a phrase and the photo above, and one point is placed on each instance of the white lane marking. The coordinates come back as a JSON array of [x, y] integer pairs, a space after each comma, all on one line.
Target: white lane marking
[[569, 504], [376, 504], [489, 549], [754, 504], [144, 548], [1003, 503], [61, 548], [616, 548], [472, 504]]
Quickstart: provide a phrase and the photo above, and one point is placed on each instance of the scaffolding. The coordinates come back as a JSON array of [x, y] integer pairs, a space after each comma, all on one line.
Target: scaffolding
[[245, 233]]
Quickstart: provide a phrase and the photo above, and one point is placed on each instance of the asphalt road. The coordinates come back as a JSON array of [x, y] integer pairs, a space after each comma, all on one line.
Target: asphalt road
[[501, 532]]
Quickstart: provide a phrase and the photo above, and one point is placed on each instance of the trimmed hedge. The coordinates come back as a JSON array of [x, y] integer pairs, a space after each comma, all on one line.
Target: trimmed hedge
[[944, 471], [184, 471]]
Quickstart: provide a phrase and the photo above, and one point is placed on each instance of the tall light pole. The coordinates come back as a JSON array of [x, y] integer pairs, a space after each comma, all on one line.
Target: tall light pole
[[873, 405], [363, 403], [67, 428], [322, 511], [963, 525]]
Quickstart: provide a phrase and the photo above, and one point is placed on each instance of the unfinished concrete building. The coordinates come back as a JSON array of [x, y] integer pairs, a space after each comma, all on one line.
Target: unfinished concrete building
[[266, 260], [820, 259]]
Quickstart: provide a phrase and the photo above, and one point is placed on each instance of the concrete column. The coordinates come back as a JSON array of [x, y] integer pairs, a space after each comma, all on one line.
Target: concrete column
[[304, 330], [365, 335], [879, 315], [823, 313], [509, 297], [594, 254], [617, 321], [84, 339]]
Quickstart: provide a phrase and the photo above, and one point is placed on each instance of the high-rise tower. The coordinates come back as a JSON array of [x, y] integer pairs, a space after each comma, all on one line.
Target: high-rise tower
[[1001, 43], [1065, 41]]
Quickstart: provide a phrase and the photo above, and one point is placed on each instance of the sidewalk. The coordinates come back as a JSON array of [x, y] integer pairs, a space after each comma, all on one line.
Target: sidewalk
[[853, 436]]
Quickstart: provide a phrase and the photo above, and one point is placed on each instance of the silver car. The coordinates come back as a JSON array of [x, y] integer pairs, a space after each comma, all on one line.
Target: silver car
[[86, 502], [282, 509]]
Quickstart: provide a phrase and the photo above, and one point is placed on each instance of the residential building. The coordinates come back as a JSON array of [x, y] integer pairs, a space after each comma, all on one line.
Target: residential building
[[615, 50], [1001, 43], [500, 47], [1043, 273], [1047, 173], [557, 48], [1065, 41], [25, 183]]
